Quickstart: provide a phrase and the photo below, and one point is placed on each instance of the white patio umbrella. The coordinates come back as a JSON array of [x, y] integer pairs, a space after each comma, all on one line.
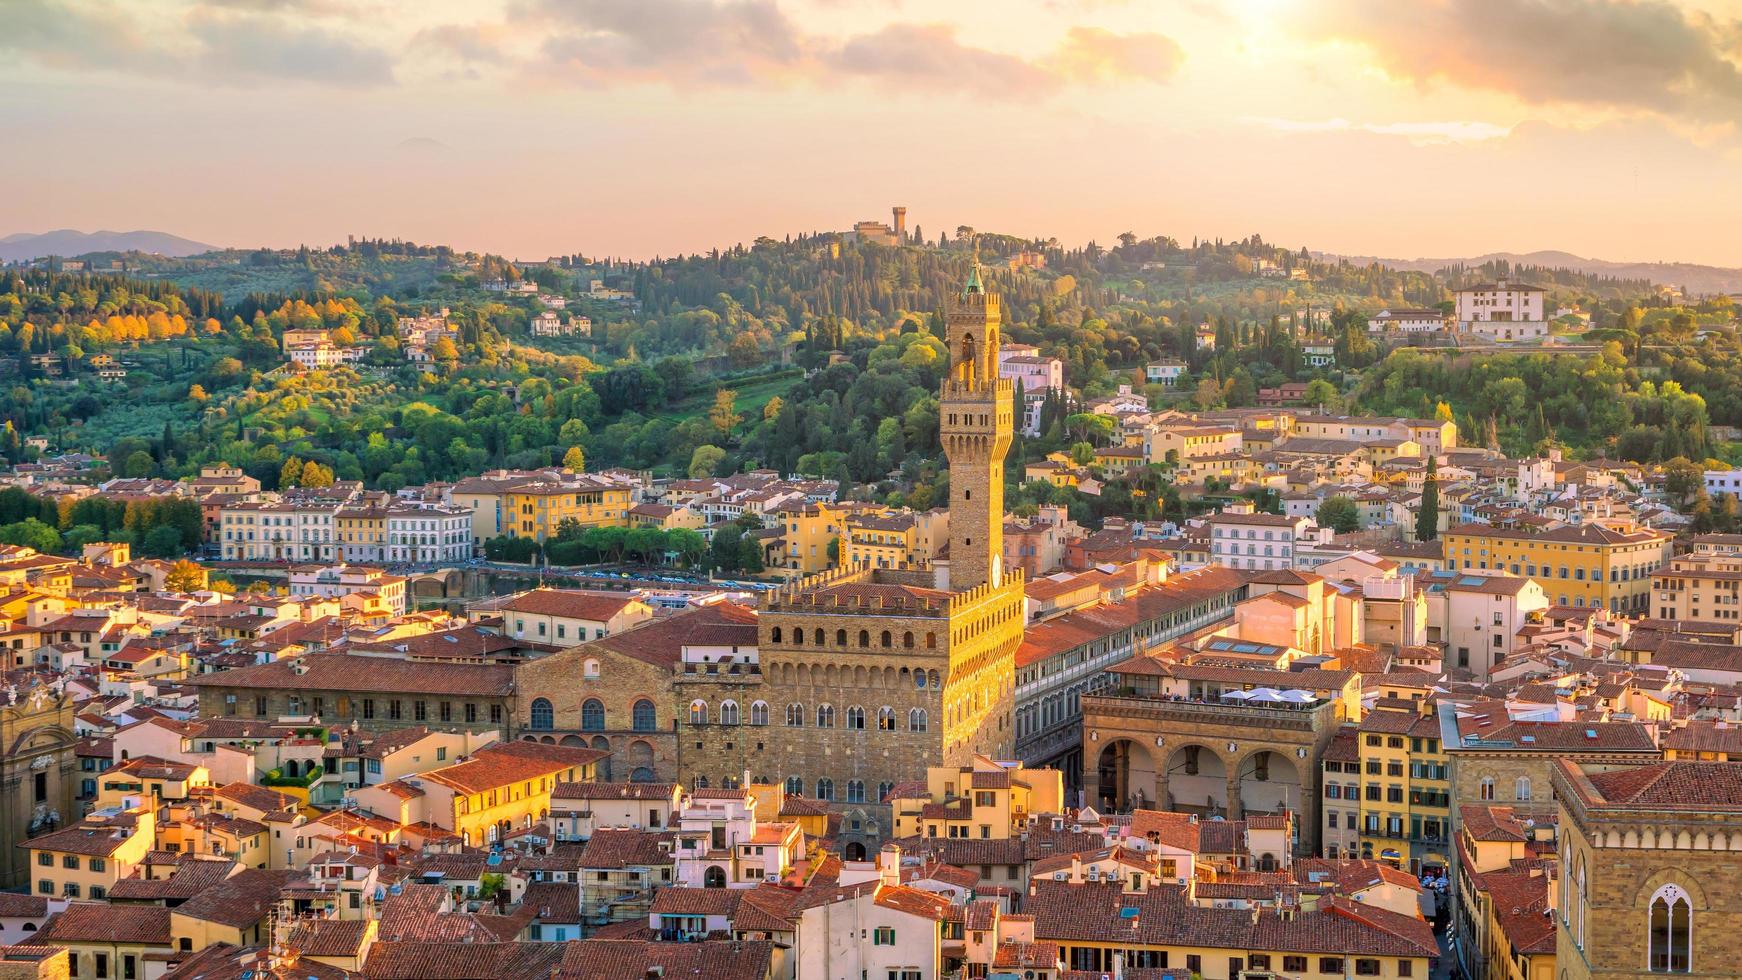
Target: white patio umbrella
[[1264, 695], [1235, 695], [1298, 696]]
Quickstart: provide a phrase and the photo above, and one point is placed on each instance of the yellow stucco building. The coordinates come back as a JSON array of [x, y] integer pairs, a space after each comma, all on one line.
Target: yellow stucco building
[[1576, 564]]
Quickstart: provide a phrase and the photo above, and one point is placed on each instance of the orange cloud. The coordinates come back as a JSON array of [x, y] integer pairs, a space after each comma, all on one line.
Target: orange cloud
[[1641, 55], [1092, 54]]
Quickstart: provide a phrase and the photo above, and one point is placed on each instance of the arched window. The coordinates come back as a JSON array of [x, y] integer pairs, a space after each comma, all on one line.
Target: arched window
[[840, 638], [759, 712], [1672, 931], [864, 638], [794, 786], [543, 718], [855, 791], [916, 720], [644, 719], [883, 791], [919, 679], [825, 716], [885, 640], [728, 712], [935, 679], [714, 877], [774, 637], [826, 789], [1485, 789], [907, 639], [592, 715], [1521, 789], [698, 712], [1581, 901], [856, 718], [795, 715], [931, 641], [886, 719]]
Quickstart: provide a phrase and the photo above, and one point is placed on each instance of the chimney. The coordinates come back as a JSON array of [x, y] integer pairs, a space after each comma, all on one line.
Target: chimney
[[889, 865], [900, 223]]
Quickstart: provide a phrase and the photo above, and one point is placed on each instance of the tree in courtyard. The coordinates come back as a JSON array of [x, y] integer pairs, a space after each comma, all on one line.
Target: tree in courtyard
[[1681, 478], [1339, 514]]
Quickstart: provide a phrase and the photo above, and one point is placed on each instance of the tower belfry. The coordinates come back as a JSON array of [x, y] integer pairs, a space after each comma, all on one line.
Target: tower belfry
[[977, 421]]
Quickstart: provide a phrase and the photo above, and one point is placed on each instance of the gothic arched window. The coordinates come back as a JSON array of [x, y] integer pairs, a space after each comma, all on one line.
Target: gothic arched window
[[1672, 931]]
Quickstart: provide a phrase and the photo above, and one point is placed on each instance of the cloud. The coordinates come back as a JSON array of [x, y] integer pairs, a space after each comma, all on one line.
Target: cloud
[[243, 49], [477, 44], [724, 43], [929, 57], [65, 36], [1418, 133], [1092, 54], [1619, 53], [204, 46], [684, 42]]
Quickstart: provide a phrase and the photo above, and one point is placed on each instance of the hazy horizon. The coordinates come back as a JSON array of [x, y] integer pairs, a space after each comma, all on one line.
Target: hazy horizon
[[655, 127]]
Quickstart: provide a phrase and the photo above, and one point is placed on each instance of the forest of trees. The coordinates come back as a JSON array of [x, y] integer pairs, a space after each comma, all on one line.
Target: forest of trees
[[806, 355]]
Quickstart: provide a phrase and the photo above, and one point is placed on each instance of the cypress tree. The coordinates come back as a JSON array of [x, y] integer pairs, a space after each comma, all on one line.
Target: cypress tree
[[1427, 517]]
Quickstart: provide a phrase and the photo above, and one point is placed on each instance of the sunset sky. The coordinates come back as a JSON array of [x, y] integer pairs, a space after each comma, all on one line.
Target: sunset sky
[[639, 127]]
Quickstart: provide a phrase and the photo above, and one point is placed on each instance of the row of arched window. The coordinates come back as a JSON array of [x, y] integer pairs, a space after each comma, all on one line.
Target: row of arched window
[[834, 677], [854, 718], [643, 717], [819, 637], [854, 790]]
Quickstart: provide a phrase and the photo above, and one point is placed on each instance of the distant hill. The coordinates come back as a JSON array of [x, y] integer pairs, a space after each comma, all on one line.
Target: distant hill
[[68, 243], [1696, 279]]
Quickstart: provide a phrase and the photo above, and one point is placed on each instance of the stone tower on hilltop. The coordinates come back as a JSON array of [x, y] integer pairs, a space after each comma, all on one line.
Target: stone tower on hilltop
[[976, 420]]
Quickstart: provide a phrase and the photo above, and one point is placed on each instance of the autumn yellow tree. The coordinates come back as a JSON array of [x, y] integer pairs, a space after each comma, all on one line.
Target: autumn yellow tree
[[290, 474], [724, 415], [197, 394], [185, 576], [771, 411], [575, 460], [316, 475]]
